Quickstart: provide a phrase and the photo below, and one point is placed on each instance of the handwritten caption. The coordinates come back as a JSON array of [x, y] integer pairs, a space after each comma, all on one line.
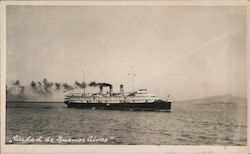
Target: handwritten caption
[[59, 139]]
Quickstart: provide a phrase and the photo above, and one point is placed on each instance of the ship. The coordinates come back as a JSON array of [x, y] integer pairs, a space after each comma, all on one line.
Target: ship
[[140, 99]]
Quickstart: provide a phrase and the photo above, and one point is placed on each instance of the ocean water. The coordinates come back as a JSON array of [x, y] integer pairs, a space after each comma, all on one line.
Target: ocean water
[[186, 124]]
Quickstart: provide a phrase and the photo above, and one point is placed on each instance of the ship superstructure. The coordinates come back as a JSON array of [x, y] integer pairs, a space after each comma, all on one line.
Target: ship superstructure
[[137, 100]]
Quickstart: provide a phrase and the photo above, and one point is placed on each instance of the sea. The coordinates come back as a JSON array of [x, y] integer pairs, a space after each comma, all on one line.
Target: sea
[[186, 124]]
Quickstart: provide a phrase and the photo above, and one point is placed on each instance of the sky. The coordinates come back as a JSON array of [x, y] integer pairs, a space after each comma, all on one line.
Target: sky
[[183, 51]]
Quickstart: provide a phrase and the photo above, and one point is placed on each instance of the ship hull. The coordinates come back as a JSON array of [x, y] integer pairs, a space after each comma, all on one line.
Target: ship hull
[[154, 106]]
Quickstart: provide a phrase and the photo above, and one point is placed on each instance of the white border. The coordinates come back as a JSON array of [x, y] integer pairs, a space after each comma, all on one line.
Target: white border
[[114, 148], [134, 2], [3, 71], [248, 77]]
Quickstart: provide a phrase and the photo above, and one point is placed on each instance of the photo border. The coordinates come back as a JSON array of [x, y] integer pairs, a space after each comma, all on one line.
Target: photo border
[[27, 149]]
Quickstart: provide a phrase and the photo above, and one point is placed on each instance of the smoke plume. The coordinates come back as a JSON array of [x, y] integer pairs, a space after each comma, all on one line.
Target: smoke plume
[[67, 87], [103, 84], [80, 85], [45, 90], [58, 85]]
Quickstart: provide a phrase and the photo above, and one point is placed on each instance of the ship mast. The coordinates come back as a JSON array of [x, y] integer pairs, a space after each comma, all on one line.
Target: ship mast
[[83, 78], [132, 74]]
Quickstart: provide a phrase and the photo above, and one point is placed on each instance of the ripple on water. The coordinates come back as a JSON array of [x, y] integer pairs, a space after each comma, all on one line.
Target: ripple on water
[[185, 125]]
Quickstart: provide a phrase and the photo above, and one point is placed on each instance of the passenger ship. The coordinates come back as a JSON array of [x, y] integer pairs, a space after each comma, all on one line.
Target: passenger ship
[[138, 100]]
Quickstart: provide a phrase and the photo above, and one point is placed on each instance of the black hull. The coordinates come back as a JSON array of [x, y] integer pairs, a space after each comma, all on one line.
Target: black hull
[[155, 106]]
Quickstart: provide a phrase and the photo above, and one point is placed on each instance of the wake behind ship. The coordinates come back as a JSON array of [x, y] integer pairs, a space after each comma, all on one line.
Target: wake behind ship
[[138, 100]]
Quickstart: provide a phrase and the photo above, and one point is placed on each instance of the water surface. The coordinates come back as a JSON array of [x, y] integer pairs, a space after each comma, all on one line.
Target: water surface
[[186, 124]]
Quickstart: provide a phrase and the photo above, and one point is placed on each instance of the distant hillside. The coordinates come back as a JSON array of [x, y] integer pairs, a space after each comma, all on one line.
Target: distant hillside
[[222, 99]]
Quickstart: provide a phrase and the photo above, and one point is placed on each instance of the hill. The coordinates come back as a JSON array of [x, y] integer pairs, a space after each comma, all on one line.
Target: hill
[[217, 100]]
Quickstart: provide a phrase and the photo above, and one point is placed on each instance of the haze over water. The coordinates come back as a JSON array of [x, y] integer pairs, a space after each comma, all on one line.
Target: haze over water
[[195, 123]]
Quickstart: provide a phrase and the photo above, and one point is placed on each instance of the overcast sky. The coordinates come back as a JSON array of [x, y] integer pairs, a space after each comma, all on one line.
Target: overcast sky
[[185, 51]]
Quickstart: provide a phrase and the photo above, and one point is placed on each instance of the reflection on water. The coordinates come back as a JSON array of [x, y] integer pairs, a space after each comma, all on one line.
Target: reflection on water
[[186, 124]]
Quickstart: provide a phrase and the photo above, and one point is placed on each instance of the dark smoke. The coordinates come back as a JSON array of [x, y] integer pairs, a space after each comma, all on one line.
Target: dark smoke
[[47, 85], [41, 88], [67, 87], [58, 85], [80, 85], [33, 84], [102, 84], [45, 90], [93, 84], [17, 83], [16, 90]]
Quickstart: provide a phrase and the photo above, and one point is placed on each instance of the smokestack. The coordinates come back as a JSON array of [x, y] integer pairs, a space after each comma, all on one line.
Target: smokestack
[[121, 90], [101, 90], [111, 90]]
